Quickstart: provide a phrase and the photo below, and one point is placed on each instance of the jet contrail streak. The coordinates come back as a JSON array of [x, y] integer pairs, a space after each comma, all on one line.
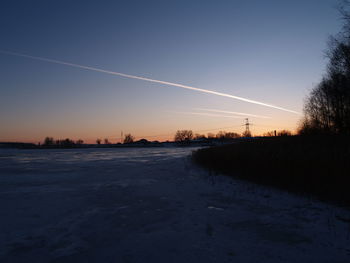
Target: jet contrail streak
[[236, 113], [206, 114], [147, 79]]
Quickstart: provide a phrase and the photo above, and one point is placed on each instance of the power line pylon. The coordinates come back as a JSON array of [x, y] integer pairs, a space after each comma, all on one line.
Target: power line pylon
[[247, 126]]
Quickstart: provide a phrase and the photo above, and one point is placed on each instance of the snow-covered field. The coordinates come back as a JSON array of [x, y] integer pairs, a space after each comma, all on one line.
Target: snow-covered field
[[154, 205]]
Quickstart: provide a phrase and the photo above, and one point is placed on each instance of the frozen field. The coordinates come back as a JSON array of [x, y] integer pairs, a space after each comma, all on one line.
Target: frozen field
[[154, 205]]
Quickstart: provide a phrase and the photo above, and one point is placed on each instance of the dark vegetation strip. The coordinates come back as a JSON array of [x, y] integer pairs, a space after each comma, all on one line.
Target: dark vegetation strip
[[316, 165]]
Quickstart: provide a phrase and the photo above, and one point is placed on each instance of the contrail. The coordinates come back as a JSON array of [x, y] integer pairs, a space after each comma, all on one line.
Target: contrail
[[147, 79], [206, 114], [234, 112]]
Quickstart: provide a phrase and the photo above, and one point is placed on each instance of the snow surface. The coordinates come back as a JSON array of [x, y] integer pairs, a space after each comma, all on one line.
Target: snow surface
[[154, 205]]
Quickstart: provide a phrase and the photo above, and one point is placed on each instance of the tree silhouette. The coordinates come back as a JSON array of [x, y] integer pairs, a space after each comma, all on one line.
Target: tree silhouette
[[66, 143], [327, 108], [183, 136], [284, 133], [198, 136], [49, 141], [222, 135], [129, 138], [269, 134], [98, 141], [246, 134]]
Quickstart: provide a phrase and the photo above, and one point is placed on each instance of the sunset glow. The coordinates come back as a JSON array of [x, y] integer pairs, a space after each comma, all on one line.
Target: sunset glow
[[235, 69]]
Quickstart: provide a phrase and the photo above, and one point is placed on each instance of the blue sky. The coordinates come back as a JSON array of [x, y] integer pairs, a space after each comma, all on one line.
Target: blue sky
[[270, 51]]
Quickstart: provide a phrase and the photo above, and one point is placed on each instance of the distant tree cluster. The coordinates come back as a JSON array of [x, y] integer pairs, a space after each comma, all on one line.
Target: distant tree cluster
[[65, 143], [327, 108], [269, 134], [277, 133], [227, 135], [284, 133], [183, 136]]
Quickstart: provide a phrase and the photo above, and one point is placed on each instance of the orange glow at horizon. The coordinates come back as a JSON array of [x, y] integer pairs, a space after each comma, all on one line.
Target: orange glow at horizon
[[162, 135]]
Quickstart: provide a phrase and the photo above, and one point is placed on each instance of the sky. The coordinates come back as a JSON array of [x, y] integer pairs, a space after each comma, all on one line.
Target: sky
[[270, 51]]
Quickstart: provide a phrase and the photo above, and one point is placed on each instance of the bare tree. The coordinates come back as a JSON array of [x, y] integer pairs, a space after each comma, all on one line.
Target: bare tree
[[198, 136], [129, 138], [269, 134], [49, 141], [284, 133], [227, 135], [327, 108], [98, 141], [183, 136], [231, 135], [220, 135], [246, 134]]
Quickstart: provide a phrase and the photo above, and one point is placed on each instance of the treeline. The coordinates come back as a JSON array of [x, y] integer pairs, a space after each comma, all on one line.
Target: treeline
[[182, 136], [50, 142], [327, 108], [316, 165], [277, 133]]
